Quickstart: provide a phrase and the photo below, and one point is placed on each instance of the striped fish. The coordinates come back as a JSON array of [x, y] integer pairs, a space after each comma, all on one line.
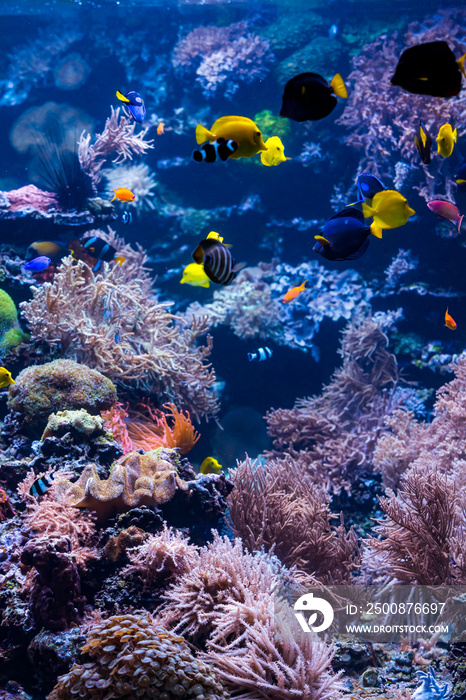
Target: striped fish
[[41, 485], [219, 265]]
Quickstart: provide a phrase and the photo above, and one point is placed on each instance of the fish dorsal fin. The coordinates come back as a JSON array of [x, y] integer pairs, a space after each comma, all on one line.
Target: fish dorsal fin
[[338, 86], [221, 121], [323, 241], [454, 134], [122, 97], [349, 211]]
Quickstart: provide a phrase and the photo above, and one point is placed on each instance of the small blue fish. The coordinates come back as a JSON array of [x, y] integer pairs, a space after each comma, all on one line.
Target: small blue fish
[[333, 31], [117, 336], [127, 217], [37, 264], [41, 485], [134, 104], [368, 186], [260, 355]]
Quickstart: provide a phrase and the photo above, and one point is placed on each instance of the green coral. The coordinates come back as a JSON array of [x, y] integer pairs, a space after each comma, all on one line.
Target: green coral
[[271, 124], [62, 385], [10, 333]]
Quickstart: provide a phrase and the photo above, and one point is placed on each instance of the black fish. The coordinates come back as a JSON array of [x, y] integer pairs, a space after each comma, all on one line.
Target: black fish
[[260, 355], [219, 265], [41, 485], [209, 152], [308, 96], [429, 69], [344, 236], [100, 249], [423, 144]]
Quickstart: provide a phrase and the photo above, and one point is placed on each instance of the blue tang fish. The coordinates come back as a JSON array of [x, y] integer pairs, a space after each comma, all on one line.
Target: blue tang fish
[[368, 186], [37, 264], [344, 236], [134, 104]]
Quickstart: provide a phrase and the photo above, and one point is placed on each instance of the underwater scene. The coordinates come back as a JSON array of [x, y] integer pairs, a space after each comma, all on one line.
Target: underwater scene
[[232, 350]]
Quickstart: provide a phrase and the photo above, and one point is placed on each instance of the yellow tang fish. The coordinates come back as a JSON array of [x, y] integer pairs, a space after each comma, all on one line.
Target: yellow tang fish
[[210, 466], [446, 140], [389, 209], [241, 130], [194, 275], [275, 153], [5, 378]]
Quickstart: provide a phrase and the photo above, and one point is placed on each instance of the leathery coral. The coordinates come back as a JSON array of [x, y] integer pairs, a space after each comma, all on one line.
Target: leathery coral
[[135, 479], [151, 352], [132, 657]]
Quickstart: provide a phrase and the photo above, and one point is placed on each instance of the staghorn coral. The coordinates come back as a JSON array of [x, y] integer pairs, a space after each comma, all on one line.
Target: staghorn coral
[[133, 657], [117, 137], [161, 558], [153, 354], [383, 119], [333, 435], [135, 479], [55, 598], [41, 390], [222, 57], [146, 428], [277, 507], [421, 539]]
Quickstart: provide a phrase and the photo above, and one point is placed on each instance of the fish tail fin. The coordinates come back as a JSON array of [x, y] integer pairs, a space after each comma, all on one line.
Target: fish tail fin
[[459, 223], [338, 86], [454, 134], [367, 211], [198, 155], [206, 284], [122, 97], [114, 197], [303, 285], [460, 62], [119, 259], [376, 231], [203, 134]]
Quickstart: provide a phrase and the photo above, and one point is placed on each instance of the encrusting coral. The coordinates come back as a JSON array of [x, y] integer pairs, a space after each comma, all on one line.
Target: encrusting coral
[[133, 657], [106, 321]]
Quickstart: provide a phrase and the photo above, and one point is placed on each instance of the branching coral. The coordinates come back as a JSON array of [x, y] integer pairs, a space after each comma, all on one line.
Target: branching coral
[[133, 657], [117, 137], [150, 352], [422, 533], [277, 507], [223, 57], [333, 435], [146, 428]]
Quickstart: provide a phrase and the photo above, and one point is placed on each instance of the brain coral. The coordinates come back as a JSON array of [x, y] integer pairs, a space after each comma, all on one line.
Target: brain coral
[[58, 386], [133, 658]]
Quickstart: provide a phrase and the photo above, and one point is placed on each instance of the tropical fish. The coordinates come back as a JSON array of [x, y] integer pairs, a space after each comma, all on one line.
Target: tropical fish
[[42, 484], [160, 128], [5, 378], [460, 177], [389, 209], [219, 265], [194, 275], [423, 144], [368, 186], [446, 210], [293, 293], [308, 96], [134, 104], [241, 130], [37, 264], [210, 466], [51, 249], [449, 321], [126, 217], [275, 153], [123, 194], [209, 152], [429, 69], [344, 236], [446, 140], [260, 355], [98, 248], [333, 31], [117, 336]]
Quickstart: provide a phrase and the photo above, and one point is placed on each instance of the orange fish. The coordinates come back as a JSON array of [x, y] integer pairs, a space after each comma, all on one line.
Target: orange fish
[[449, 322], [123, 194], [160, 128], [293, 293]]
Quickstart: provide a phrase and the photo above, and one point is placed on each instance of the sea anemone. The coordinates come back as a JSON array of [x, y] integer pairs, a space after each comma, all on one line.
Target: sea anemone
[[137, 178], [71, 72]]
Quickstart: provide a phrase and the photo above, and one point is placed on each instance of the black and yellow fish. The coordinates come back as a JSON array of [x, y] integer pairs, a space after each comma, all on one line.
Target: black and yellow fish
[[219, 265], [423, 144], [308, 96], [101, 250], [429, 69]]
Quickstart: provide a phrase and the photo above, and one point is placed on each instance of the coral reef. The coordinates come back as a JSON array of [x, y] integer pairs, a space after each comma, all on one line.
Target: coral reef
[[133, 656], [277, 507], [150, 353], [41, 390], [10, 333], [137, 178]]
